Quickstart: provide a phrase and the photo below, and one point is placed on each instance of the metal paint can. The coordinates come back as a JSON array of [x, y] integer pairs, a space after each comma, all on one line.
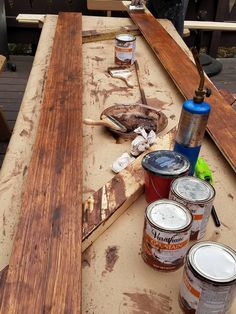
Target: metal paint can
[[161, 168], [198, 196], [125, 45], [166, 234], [209, 279]]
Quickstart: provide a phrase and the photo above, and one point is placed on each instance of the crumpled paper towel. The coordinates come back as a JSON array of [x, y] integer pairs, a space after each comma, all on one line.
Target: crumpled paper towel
[[143, 141], [122, 162]]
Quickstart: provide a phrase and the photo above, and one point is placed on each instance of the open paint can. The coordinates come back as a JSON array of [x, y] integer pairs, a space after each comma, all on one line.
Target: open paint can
[[197, 195], [209, 279], [166, 234], [161, 168]]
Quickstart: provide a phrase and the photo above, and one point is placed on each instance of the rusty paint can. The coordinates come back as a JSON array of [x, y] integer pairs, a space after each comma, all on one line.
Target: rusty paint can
[[161, 168], [209, 279], [198, 196], [125, 46], [166, 234]]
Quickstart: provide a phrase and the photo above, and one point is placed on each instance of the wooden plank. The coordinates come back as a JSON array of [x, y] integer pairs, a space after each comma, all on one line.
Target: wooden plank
[[222, 121], [2, 62], [94, 35], [31, 18], [206, 25], [45, 266], [16, 162]]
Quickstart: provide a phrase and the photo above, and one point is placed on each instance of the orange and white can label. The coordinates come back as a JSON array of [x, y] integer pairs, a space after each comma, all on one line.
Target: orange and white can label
[[165, 250], [203, 297], [125, 45]]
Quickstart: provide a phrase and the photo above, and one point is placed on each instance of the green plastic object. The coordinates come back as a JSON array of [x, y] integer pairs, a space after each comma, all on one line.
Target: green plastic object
[[202, 171]]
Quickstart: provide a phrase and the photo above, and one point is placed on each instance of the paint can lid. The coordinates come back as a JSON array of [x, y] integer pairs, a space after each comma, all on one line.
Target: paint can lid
[[166, 163], [193, 189], [125, 37], [168, 215], [213, 261]]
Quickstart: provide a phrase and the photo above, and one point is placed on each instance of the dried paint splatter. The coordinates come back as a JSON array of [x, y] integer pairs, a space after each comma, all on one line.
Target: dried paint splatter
[[147, 302], [111, 257]]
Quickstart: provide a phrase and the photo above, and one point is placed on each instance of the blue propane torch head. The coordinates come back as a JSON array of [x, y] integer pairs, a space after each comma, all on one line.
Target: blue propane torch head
[[193, 120]]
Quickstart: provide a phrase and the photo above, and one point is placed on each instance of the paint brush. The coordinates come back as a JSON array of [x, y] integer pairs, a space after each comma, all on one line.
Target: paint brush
[[107, 121]]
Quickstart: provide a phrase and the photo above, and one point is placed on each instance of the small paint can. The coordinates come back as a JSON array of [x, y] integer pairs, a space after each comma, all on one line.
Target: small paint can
[[198, 196], [209, 279], [161, 168], [125, 45], [166, 234]]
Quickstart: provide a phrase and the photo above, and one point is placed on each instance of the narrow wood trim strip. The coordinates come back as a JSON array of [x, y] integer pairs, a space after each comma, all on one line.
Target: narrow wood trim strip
[[45, 267]]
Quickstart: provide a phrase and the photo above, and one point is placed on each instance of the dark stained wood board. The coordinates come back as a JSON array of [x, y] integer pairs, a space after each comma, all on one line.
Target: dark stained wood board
[[222, 122], [45, 267]]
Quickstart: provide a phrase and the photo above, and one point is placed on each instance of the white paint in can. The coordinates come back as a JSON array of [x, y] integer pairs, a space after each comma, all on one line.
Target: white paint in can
[[209, 279]]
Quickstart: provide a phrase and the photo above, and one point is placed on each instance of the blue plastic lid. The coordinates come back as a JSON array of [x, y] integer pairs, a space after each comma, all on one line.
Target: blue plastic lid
[[165, 163], [196, 108]]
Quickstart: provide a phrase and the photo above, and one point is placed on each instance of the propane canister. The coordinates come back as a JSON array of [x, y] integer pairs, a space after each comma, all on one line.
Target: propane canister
[[193, 121], [191, 129]]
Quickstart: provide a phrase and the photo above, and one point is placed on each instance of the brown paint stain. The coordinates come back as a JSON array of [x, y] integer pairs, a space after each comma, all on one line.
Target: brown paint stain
[[4, 225], [230, 196], [24, 133], [96, 58], [156, 103], [148, 302], [88, 256], [111, 257], [172, 117]]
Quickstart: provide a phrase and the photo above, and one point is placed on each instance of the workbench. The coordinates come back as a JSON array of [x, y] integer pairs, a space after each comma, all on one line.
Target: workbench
[[114, 277]]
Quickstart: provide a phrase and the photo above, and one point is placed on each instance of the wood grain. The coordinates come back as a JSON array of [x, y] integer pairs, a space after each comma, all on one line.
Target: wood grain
[[45, 267], [222, 121]]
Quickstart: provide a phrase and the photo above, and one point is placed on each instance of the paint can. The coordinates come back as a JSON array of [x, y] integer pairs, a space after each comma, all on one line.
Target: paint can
[[166, 234], [125, 45], [198, 196], [209, 279], [161, 168]]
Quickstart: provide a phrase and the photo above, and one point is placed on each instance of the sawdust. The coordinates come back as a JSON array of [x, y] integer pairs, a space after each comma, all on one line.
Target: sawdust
[[147, 302]]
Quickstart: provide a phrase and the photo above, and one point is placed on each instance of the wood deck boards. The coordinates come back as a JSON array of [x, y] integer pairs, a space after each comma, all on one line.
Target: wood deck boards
[[45, 266]]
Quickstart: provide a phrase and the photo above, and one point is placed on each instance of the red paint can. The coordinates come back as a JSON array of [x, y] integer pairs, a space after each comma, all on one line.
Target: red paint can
[[161, 168]]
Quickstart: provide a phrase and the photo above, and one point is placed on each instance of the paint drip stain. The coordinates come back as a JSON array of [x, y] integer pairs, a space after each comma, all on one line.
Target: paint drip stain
[[111, 257], [147, 302]]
